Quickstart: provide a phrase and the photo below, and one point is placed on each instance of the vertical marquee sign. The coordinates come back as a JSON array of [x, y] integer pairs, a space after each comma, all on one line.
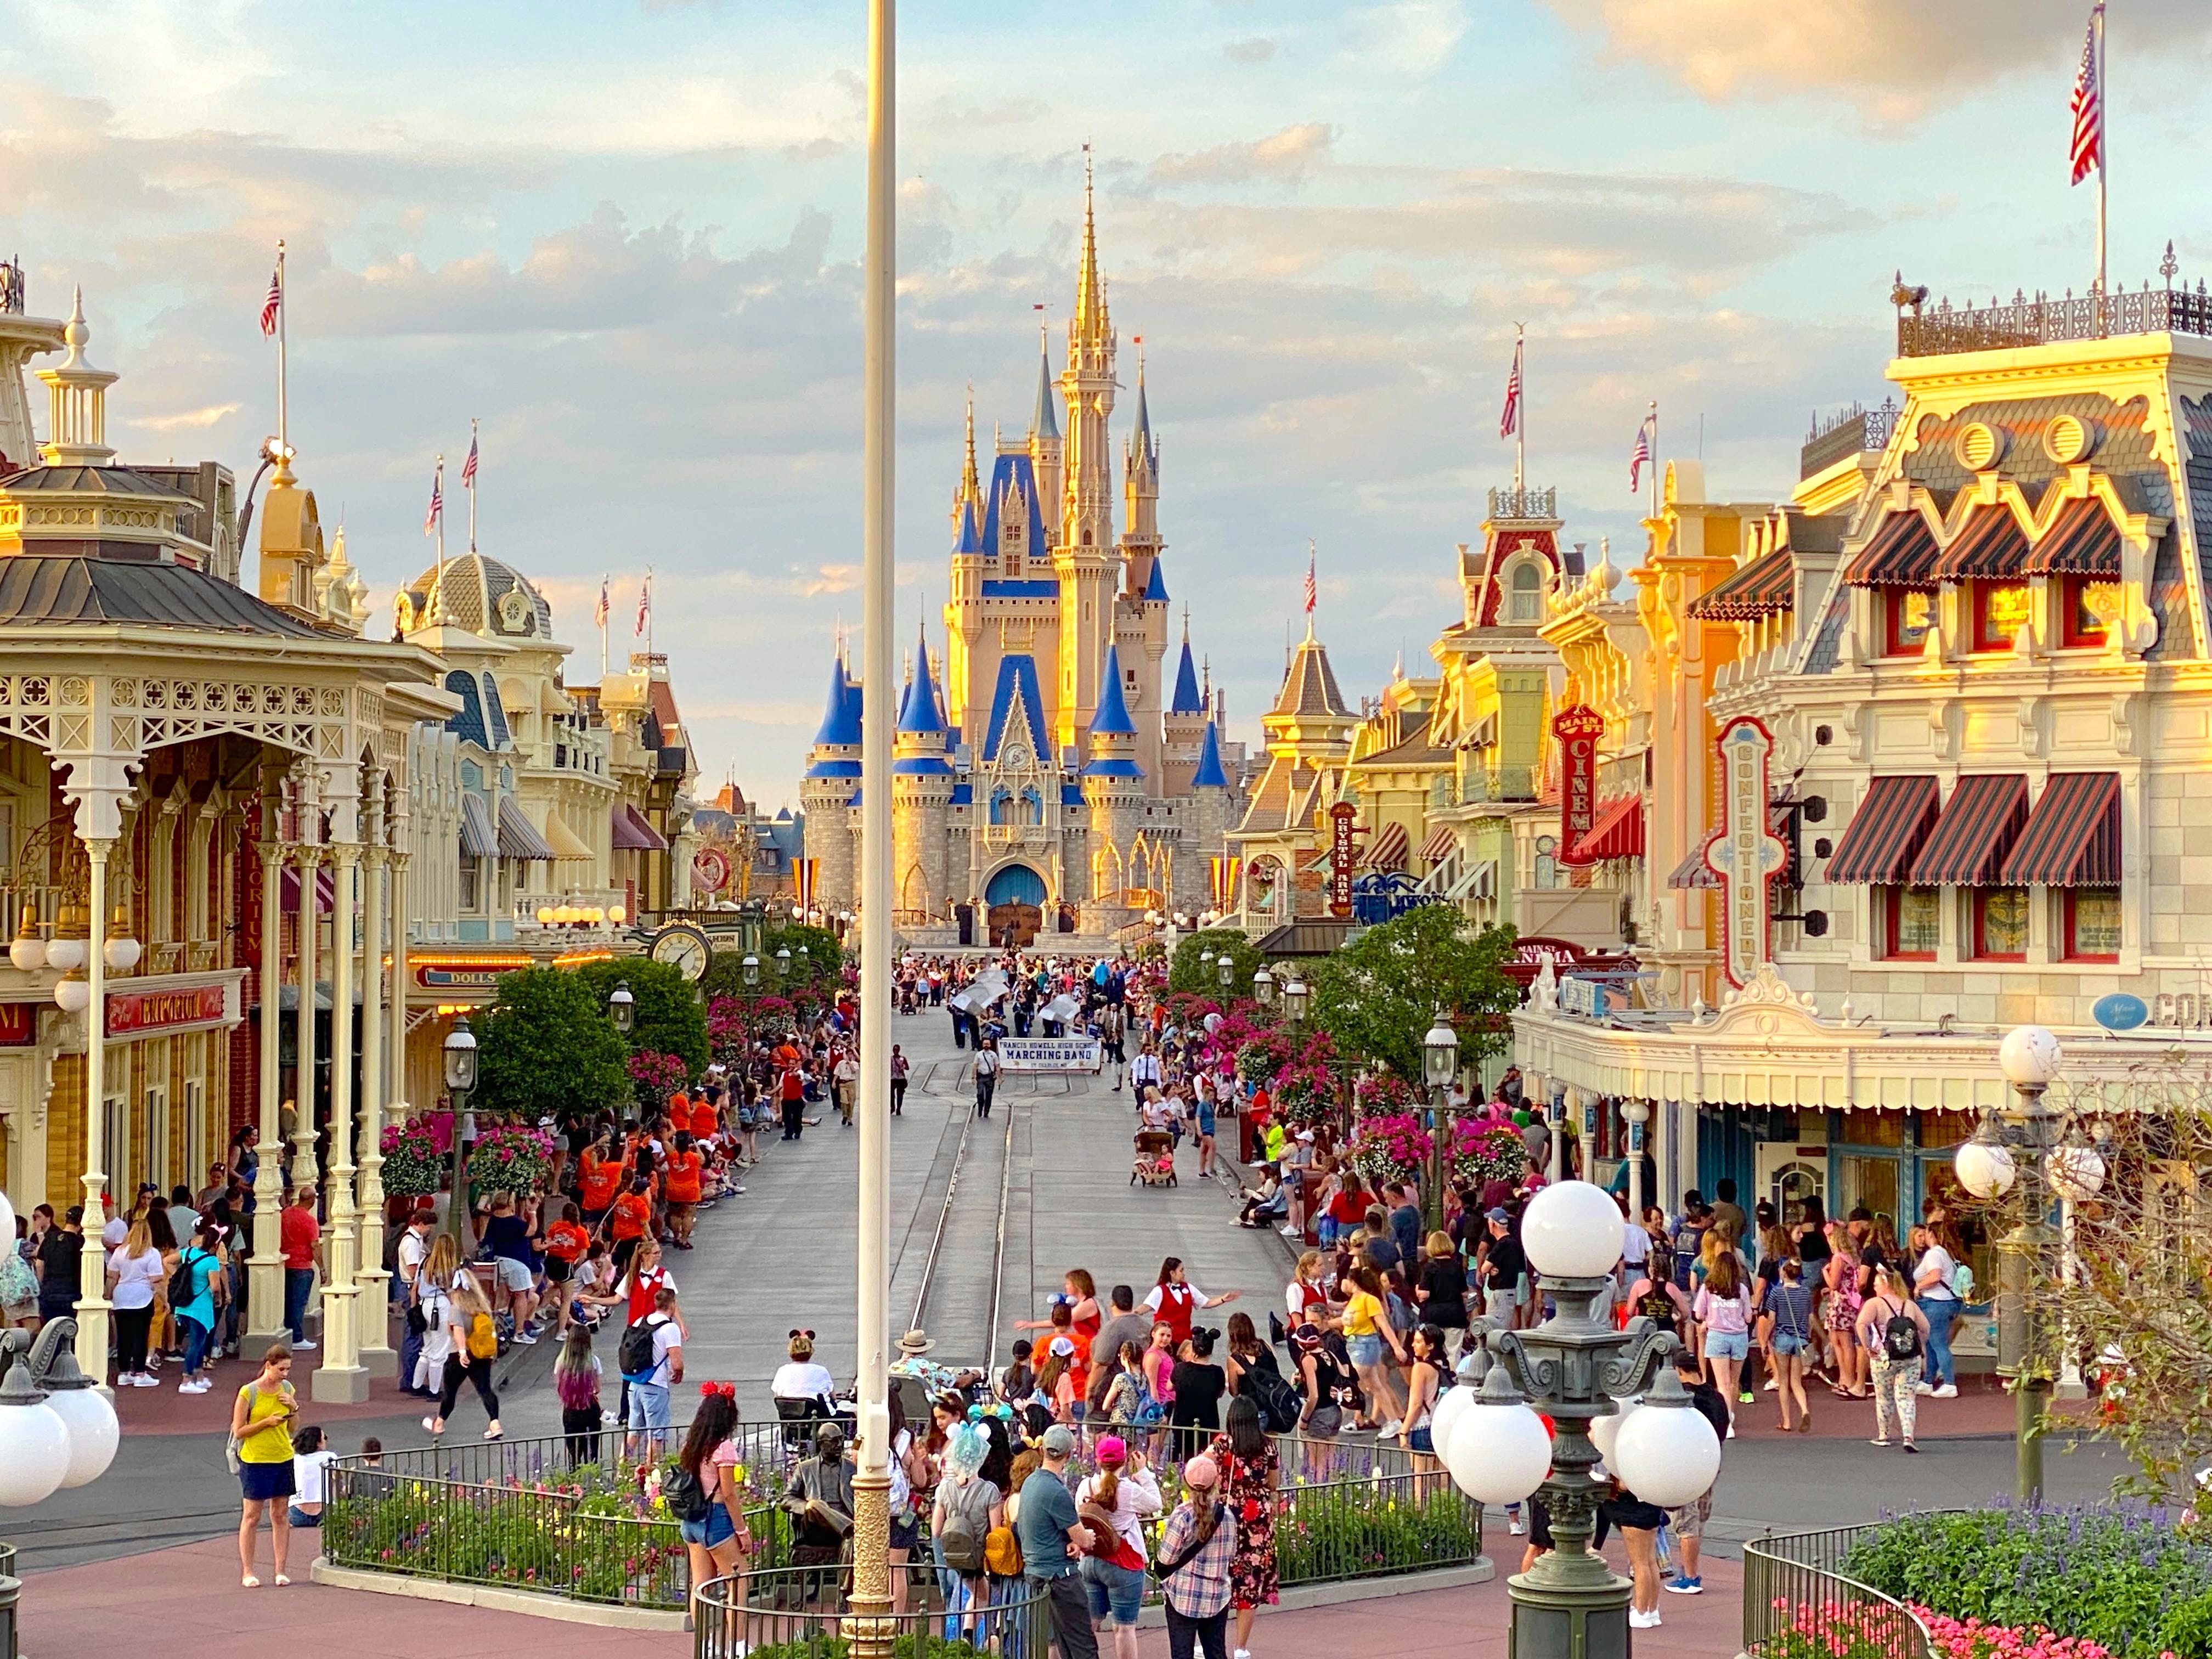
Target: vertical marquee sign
[[1578, 728], [1746, 854], [1339, 858]]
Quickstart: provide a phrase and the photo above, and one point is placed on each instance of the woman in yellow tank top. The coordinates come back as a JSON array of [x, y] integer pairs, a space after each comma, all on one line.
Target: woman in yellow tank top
[[261, 1429], [1366, 1332]]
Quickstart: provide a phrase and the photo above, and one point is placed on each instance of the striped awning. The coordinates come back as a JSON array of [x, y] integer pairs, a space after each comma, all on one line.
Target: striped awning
[[632, 834], [2084, 542], [1992, 547], [1765, 587], [1616, 832], [1691, 872], [566, 844], [518, 836], [1979, 825], [1902, 554], [326, 888], [2073, 836], [1887, 832], [478, 839], [1440, 844], [1388, 850]]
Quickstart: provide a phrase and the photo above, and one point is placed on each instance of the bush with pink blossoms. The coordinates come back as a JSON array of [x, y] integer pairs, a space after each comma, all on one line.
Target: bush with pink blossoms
[[1394, 1147]]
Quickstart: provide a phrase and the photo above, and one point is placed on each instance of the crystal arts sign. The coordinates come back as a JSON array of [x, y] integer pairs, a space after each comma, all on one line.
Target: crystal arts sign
[[1746, 854]]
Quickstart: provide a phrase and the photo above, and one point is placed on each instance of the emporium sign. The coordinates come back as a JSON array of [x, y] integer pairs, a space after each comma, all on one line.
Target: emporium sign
[[135, 1013], [1578, 728], [1746, 854]]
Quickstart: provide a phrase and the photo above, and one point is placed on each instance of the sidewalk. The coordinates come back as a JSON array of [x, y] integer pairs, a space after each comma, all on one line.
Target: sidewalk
[[195, 1587]]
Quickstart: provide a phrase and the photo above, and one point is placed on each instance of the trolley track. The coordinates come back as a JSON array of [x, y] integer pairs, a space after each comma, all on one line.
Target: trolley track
[[955, 1274]]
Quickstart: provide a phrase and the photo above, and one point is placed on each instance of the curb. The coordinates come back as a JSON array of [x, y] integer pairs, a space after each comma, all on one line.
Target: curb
[[498, 1599], [1303, 1597]]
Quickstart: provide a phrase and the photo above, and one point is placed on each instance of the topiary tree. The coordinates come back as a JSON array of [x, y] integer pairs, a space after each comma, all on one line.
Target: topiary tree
[[669, 1017], [545, 1048], [1377, 996], [1188, 973]]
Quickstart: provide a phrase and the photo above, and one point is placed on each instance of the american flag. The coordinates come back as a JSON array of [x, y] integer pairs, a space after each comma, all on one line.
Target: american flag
[[469, 466], [2088, 105], [437, 513], [1313, 592], [644, 603], [600, 617], [1640, 457], [271, 303], [1508, 422]]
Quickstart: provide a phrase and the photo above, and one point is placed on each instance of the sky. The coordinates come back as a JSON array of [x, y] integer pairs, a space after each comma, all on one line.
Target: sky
[[625, 236]]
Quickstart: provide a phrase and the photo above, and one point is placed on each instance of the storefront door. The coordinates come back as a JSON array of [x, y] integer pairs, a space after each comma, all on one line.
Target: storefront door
[[1787, 1178]]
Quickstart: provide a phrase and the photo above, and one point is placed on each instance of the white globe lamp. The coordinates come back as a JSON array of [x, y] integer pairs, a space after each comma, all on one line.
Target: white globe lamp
[[1451, 1406], [1499, 1450], [2029, 1056], [1665, 1452], [34, 1445], [94, 1433], [2075, 1170], [1605, 1431], [1571, 1230], [1984, 1165], [65, 954]]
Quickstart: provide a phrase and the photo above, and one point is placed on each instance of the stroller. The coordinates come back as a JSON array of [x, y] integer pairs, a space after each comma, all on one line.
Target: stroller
[[1155, 1162]]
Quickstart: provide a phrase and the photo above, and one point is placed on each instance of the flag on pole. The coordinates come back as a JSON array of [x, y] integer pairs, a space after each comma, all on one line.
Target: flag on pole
[[1510, 420], [437, 510], [644, 603], [1640, 457], [2089, 146], [600, 617], [469, 466], [1313, 591], [271, 303]]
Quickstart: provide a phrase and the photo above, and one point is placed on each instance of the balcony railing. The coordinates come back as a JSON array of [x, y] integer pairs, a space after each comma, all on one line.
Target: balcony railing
[[1016, 835], [1505, 783], [2042, 320], [1523, 504], [1839, 437]]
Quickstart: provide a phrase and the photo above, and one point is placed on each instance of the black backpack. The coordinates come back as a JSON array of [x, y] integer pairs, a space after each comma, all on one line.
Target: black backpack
[[680, 1488], [633, 1355], [1281, 1405], [182, 1288], [1900, 1337]]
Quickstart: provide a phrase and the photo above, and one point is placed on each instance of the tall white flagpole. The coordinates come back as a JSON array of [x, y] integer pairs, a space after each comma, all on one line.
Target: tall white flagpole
[[1520, 410], [2104, 142], [475, 470], [606, 615], [1655, 457], [284, 313], [439, 490]]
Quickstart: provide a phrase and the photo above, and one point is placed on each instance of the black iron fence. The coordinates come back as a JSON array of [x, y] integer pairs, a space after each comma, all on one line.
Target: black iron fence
[[1799, 1603], [797, 1613], [1940, 329]]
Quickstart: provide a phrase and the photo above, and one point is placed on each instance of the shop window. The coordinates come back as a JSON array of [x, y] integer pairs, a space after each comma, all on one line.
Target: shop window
[[1907, 614], [196, 1146], [1867, 1182], [2091, 924], [2091, 607], [122, 1167], [1912, 923], [157, 1137], [1871, 1128], [2000, 611], [1947, 1128], [472, 880], [2001, 924], [1547, 861]]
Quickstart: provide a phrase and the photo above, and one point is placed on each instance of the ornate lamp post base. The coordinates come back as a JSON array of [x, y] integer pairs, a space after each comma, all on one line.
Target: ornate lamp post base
[[1576, 1609]]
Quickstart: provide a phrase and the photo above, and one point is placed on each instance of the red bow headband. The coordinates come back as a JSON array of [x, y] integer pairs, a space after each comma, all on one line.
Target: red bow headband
[[709, 1390]]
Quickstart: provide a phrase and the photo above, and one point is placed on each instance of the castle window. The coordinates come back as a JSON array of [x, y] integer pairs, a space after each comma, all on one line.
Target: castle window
[[1526, 602]]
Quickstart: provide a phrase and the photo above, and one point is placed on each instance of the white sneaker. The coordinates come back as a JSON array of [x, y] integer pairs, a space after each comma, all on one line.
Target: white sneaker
[[1643, 1621], [1515, 1527], [1948, 1391], [1288, 1231], [1924, 1387], [1731, 1433], [303, 1346]]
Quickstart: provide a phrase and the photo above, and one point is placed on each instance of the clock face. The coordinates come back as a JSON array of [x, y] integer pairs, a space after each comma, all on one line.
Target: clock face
[[1015, 754], [683, 949]]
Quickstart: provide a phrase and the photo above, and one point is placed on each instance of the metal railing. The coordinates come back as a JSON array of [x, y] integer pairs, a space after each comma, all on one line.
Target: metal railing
[[1523, 505], [1851, 432], [1502, 783], [1940, 329], [1796, 1596], [797, 1613]]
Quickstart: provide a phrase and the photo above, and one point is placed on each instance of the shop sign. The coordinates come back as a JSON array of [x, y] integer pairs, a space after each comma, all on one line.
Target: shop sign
[[132, 1013], [1578, 728], [710, 869], [19, 1024], [1340, 831], [1591, 999], [463, 973], [1746, 854]]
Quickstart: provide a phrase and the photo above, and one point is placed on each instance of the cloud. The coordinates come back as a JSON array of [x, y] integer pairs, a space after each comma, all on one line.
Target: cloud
[[1413, 38], [1257, 50], [1289, 154], [1895, 58], [188, 418]]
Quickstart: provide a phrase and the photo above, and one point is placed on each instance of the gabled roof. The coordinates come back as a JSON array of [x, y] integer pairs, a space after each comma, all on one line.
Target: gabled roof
[[1186, 699], [1413, 748], [1017, 684], [1310, 683], [1287, 798], [840, 719], [1014, 471], [1112, 719], [1210, 774]]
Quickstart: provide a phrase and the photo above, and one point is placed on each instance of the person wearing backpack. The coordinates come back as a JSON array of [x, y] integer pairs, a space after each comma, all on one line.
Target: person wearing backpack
[[1197, 1549], [1894, 1331], [967, 1511], [1935, 1278], [705, 1491], [1113, 1505], [476, 1345], [197, 1288], [651, 1359]]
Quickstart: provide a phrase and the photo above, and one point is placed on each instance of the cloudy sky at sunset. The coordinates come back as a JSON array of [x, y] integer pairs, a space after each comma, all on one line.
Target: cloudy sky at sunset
[[625, 236]]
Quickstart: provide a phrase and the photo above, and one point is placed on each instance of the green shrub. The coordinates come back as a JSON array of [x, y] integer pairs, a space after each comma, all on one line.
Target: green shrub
[[2116, 1575]]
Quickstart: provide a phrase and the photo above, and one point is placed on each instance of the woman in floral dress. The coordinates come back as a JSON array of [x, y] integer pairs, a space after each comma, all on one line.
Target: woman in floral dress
[[1246, 1453]]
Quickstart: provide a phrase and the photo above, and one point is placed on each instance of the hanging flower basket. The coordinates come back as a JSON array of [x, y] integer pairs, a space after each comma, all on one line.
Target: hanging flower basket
[[1487, 1152], [510, 1158], [1394, 1147], [417, 1154]]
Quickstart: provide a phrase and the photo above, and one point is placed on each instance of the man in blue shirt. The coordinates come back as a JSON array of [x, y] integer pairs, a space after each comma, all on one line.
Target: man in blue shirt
[[1051, 1535]]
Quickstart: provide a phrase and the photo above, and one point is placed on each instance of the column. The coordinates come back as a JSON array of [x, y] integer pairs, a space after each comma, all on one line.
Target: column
[[92, 1304], [264, 1269], [403, 983], [303, 1071], [340, 1377], [372, 1308]]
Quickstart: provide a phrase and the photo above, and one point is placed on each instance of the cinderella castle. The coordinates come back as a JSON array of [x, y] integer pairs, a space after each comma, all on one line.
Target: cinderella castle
[[1040, 783]]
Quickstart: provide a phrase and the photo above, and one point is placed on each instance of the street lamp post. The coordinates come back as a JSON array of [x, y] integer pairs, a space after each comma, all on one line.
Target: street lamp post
[[2030, 1057], [1575, 1368], [1636, 1113], [1295, 995], [460, 1052], [1439, 1065], [1263, 988], [57, 1429], [622, 1007], [1225, 966]]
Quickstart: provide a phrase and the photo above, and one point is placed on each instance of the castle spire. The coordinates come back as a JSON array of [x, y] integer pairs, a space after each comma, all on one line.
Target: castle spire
[[1044, 423], [971, 488], [1144, 433], [1090, 322]]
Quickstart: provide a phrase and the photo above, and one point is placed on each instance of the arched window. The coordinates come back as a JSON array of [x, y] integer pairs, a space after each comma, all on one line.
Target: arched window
[[1526, 604], [1032, 807], [1547, 861], [999, 802]]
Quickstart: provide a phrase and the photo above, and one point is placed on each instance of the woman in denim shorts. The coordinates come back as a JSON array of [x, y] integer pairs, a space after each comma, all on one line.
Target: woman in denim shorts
[[717, 1541], [1126, 1491]]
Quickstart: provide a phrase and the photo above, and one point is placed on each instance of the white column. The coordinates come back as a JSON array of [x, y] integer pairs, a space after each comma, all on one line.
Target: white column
[[92, 1304], [264, 1271], [403, 983], [340, 1377], [303, 1078], [372, 1312]]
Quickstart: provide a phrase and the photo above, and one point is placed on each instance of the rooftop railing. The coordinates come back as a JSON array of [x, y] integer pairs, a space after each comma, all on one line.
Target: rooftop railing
[[1939, 330]]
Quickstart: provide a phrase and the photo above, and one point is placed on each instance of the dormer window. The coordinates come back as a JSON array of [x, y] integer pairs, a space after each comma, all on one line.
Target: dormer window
[[2091, 605], [1907, 614], [2002, 609], [1525, 602]]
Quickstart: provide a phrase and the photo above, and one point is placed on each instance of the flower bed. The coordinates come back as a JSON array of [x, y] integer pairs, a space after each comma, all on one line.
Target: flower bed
[[2102, 1580]]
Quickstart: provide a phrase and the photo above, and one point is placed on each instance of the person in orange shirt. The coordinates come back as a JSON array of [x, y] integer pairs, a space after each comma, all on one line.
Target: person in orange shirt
[[631, 1220], [564, 1242], [601, 1173], [706, 1117], [680, 1173]]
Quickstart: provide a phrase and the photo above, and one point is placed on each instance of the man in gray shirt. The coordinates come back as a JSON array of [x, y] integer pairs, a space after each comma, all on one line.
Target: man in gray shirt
[[1130, 1323], [1051, 1533]]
